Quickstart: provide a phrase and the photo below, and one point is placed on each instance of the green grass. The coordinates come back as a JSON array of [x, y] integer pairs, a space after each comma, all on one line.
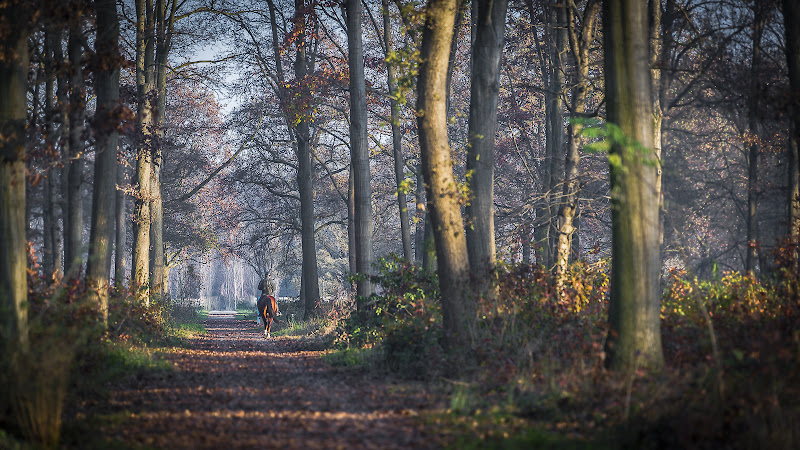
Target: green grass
[[120, 360], [189, 330], [353, 357]]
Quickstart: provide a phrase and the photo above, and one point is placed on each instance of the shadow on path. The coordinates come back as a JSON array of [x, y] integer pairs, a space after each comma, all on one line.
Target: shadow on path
[[233, 389]]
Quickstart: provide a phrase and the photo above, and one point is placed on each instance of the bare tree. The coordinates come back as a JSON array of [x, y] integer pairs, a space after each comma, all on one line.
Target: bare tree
[[487, 51], [359, 150]]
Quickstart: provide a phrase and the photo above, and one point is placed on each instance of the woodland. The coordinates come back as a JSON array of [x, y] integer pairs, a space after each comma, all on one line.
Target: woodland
[[491, 223]]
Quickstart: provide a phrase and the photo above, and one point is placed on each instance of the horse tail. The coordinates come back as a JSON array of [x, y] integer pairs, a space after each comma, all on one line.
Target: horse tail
[[270, 307]]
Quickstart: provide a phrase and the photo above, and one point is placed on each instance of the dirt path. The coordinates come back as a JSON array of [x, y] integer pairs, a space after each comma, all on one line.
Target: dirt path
[[233, 389]]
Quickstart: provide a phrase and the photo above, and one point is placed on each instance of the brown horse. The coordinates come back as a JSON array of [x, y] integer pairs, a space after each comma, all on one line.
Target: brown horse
[[267, 310]]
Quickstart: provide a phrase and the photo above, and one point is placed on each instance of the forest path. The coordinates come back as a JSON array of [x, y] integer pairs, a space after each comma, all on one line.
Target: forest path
[[231, 388]]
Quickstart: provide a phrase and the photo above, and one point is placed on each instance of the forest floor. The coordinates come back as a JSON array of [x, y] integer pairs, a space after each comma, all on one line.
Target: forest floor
[[231, 388]]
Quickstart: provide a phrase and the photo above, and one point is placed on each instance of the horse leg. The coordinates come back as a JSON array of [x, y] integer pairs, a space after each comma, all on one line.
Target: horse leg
[[268, 328]]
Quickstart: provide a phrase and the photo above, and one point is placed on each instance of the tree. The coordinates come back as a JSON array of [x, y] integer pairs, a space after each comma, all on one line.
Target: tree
[[580, 43], [73, 220], [753, 131], [359, 150], [144, 157], [443, 192], [397, 137], [15, 26], [487, 51], [634, 335], [791, 23], [104, 193]]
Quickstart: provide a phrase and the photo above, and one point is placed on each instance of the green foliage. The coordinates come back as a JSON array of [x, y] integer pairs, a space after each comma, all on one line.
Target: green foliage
[[404, 321], [606, 135]]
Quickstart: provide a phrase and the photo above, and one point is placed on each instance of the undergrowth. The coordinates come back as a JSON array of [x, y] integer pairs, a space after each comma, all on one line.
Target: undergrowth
[[732, 346], [72, 356]]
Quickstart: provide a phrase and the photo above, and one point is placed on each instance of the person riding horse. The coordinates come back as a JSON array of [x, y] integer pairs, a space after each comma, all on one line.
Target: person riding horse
[[267, 306]]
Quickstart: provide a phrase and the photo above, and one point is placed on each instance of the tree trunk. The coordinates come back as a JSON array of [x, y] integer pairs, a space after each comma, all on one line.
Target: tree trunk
[[144, 84], [359, 150], [397, 137], [120, 243], [791, 14], [752, 156], [634, 335], [77, 109], [13, 258], [305, 181], [420, 214], [164, 25], [487, 51], [554, 112], [299, 129], [444, 197], [565, 223], [656, 61], [351, 225], [98, 267], [51, 260]]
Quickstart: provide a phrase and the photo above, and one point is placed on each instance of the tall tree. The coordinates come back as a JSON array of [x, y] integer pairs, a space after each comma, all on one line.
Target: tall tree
[[487, 51], [634, 335], [443, 193], [580, 42], [104, 193], [359, 150], [397, 136], [144, 158], [52, 234], [121, 227], [73, 240], [165, 13], [759, 20], [14, 21], [791, 23], [299, 123]]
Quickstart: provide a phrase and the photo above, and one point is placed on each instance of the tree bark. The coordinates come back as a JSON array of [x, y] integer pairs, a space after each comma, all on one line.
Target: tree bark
[[656, 61], [77, 109], [634, 336], [397, 138], [98, 267], [754, 148], [443, 193], [554, 124], [420, 214], [565, 223], [305, 180], [121, 238], [164, 23], [52, 245], [144, 84], [13, 258], [791, 14], [351, 224], [359, 150], [487, 51]]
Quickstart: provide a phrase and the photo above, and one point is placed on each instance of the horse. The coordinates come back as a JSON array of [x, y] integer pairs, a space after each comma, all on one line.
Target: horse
[[267, 310]]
